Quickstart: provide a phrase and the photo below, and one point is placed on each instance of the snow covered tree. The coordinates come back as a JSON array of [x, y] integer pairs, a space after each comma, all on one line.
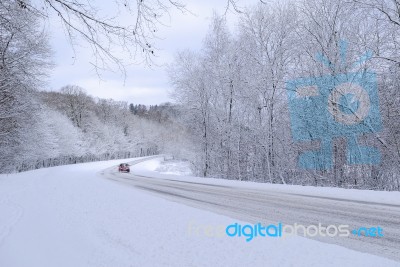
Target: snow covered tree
[[24, 58]]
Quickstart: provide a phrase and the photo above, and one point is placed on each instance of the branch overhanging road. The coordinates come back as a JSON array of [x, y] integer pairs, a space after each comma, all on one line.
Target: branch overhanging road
[[266, 206]]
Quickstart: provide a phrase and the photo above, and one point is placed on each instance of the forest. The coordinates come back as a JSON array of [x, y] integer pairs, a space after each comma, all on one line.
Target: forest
[[234, 91], [230, 117]]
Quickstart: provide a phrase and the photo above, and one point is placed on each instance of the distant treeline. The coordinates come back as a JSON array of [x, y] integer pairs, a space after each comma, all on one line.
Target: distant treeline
[[69, 126]]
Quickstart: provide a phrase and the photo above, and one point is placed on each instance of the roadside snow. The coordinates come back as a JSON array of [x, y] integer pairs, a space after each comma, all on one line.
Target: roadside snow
[[152, 168], [72, 216], [175, 167]]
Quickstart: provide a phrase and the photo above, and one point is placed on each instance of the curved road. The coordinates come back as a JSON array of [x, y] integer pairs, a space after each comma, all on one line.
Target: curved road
[[254, 206]]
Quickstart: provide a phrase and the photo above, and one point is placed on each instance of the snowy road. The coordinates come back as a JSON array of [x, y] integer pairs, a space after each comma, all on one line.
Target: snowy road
[[267, 206], [74, 216]]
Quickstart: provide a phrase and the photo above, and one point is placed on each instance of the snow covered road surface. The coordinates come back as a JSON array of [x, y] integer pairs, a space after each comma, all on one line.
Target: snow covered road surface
[[271, 206], [73, 216]]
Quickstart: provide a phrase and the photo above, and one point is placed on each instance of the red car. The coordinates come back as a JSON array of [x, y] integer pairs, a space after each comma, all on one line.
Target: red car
[[123, 167]]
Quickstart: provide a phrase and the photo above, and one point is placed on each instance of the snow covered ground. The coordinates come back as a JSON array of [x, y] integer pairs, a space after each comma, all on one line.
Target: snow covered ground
[[73, 216], [168, 166]]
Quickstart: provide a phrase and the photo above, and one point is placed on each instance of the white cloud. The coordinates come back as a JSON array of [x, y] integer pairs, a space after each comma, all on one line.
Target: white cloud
[[142, 84], [132, 94]]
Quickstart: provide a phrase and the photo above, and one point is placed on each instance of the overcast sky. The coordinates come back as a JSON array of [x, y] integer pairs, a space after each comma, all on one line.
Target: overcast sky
[[143, 85]]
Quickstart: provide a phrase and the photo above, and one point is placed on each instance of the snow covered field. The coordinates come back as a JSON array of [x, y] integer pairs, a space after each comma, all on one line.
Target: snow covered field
[[73, 216]]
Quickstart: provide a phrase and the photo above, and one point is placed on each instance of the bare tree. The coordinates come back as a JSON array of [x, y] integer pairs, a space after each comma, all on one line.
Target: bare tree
[[76, 105], [386, 13], [269, 31], [123, 34]]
